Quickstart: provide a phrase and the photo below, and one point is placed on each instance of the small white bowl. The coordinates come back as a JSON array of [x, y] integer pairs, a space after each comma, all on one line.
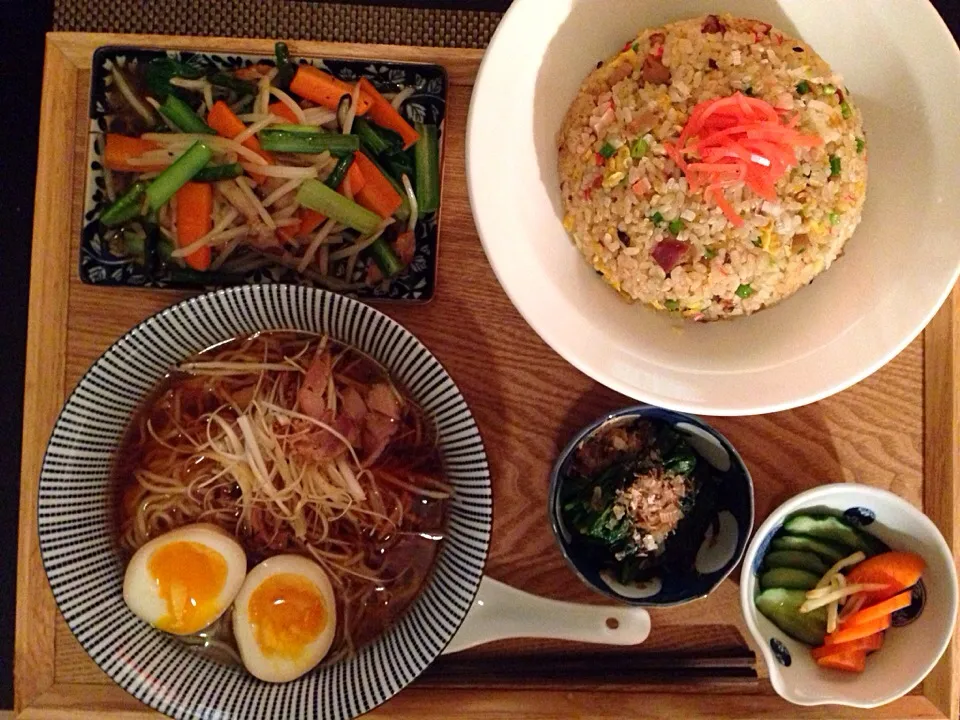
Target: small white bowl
[[908, 652]]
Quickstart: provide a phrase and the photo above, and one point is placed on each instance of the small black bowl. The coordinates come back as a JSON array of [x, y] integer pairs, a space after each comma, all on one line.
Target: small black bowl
[[722, 547]]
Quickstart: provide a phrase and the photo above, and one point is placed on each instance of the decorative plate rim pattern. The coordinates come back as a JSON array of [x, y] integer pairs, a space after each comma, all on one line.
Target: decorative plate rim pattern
[[99, 266], [76, 513]]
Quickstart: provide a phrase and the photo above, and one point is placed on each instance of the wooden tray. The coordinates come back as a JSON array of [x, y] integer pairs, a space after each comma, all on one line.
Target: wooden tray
[[896, 430]]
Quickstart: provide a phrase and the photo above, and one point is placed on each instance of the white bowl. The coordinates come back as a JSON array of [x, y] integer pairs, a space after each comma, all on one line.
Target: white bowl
[[908, 653], [903, 68]]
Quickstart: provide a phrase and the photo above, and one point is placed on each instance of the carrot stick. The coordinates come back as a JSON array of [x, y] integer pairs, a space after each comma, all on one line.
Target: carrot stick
[[119, 149], [281, 110], [875, 612], [222, 119], [406, 246], [194, 220], [866, 644], [377, 194], [850, 661], [385, 115], [288, 232], [356, 178], [897, 569], [324, 89], [855, 632], [310, 220]]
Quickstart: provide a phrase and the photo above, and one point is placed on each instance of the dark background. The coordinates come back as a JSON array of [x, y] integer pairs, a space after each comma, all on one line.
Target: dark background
[[23, 24]]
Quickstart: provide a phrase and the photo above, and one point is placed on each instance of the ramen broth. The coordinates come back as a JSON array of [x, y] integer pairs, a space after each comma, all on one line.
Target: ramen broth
[[374, 515]]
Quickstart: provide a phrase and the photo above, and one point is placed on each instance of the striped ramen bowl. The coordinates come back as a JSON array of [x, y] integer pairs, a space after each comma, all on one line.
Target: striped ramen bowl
[[77, 517]]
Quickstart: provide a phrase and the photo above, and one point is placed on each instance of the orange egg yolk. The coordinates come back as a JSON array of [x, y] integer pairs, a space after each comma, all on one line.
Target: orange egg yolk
[[287, 612], [189, 576]]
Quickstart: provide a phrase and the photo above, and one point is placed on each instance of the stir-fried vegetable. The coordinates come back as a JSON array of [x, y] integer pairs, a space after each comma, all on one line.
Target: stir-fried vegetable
[[186, 120], [308, 142], [378, 194], [177, 175], [126, 207], [119, 150], [268, 163], [403, 212], [160, 71], [386, 258], [194, 208], [427, 157], [377, 140], [317, 196], [282, 111], [215, 173], [386, 116], [324, 89], [285, 68]]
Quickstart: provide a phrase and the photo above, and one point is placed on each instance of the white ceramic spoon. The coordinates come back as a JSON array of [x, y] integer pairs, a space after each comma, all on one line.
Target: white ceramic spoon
[[500, 612]]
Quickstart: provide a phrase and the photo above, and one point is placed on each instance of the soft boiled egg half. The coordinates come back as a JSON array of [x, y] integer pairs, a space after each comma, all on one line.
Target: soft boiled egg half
[[284, 618], [185, 579]]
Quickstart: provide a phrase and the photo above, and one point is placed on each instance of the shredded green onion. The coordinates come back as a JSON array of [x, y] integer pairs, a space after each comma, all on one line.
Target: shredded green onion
[[639, 148], [835, 166]]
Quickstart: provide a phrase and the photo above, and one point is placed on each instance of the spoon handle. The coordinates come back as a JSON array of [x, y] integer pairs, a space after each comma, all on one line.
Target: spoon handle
[[500, 612]]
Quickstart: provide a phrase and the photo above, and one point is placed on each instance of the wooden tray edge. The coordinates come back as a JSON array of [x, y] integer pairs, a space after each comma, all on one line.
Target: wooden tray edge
[[461, 64], [941, 467], [36, 693], [44, 376]]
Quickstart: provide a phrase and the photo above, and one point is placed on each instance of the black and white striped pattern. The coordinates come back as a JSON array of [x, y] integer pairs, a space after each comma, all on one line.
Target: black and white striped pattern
[[77, 524]]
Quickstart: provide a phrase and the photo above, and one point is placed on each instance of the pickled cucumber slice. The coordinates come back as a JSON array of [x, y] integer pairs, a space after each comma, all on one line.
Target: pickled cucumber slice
[[833, 530], [782, 608], [789, 578], [798, 559], [794, 542]]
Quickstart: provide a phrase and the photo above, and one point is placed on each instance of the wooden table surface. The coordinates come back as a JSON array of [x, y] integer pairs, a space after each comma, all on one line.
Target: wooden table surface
[[527, 402]]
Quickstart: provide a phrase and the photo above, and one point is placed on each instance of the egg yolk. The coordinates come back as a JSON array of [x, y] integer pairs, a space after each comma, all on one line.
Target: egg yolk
[[288, 613], [189, 576]]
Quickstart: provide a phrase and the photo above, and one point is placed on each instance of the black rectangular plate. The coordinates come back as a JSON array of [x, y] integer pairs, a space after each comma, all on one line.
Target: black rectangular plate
[[99, 266]]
